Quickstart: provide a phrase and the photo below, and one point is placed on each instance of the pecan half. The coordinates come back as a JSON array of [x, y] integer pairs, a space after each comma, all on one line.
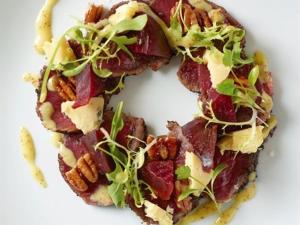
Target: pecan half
[[85, 170], [165, 148], [88, 168], [203, 18], [66, 87], [94, 14], [189, 16], [75, 180]]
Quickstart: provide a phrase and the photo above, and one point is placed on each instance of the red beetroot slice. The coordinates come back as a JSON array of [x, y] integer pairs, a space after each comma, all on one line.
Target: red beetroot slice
[[203, 139], [151, 41], [235, 176], [88, 85], [160, 176], [223, 108]]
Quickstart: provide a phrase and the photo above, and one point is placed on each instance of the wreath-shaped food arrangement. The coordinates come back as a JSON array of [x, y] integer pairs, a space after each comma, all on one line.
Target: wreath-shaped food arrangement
[[107, 157]]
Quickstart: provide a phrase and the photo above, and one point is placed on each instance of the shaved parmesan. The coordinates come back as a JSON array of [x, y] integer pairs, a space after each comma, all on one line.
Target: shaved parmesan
[[244, 141], [157, 214], [86, 118], [218, 71], [195, 165]]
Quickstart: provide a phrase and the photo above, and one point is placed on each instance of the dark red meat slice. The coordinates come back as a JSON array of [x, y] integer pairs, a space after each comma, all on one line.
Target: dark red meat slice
[[151, 41], [92, 187], [235, 176], [195, 137], [132, 126], [196, 77], [160, 176], [189, 73], [203, 139], [124, 64], [223, 108], [81, 144], [63, 123], [162, 8]]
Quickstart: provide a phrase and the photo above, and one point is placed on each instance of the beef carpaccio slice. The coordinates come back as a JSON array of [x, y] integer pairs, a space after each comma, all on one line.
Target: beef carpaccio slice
[[81, 145], [200, 138], [235, 176]]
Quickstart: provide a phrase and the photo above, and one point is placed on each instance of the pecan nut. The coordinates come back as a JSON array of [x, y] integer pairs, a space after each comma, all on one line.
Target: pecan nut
[[66, 88], [203, 18], [88, 168], [94, 14], [85, 170], [165, 148], [190, 17], [75, 180]]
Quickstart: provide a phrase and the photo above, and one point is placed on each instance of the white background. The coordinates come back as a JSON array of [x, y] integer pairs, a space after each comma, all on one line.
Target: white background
[[272, 26]]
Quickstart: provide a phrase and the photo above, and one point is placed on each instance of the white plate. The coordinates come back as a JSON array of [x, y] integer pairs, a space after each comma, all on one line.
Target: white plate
[[272, 25]]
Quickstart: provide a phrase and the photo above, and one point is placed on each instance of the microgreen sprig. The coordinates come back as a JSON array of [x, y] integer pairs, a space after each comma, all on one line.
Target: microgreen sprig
[[242, 95], [124, 179], [94, 49], [212, 118]]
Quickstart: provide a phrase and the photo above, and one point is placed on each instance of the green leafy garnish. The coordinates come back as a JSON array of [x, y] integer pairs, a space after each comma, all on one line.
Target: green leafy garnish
[[253, 75], [232, 56], [96, 46], [135, 24], [119, 86], [183, 172], [212, 118], [241, 95], [227, 87], [124, 179]]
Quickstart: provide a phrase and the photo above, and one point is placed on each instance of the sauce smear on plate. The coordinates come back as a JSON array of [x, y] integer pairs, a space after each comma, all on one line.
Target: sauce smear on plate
[[29, 154], [43, 26]]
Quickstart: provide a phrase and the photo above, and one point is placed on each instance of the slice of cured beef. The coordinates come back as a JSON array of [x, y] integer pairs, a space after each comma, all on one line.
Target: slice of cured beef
[[151, 50], [235, 176], [81, 145], [87, 85], [198, 137]]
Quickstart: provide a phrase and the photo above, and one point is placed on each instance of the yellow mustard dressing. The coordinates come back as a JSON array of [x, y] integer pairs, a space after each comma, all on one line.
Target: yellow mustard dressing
[[43, 26], [29, 154], [204, 211], [32, 78], [227, 215]]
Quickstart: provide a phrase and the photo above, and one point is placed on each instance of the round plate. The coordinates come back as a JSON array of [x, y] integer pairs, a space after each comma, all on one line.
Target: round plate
[[272, 26]]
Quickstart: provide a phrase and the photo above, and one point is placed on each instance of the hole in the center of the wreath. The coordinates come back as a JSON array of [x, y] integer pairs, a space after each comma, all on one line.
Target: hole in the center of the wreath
[[158, 97]]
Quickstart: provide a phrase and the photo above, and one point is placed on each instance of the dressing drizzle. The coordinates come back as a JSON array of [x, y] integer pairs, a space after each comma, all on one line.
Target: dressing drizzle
[[226, 216], [29, 154], [43, 26]]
